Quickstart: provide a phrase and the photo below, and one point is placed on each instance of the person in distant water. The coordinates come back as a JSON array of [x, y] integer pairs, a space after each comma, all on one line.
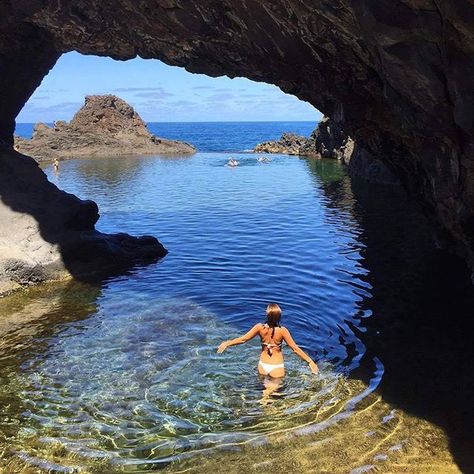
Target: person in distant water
[[272, 336], [232, 162], [56, 165]]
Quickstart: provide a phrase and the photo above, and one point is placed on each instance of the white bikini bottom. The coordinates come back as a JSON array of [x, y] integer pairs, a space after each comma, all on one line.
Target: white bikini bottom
[[267, 368]]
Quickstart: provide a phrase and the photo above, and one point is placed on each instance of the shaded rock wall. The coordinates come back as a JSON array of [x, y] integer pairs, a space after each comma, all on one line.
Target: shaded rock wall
[[47, 234], [397, 75], [329, 140]]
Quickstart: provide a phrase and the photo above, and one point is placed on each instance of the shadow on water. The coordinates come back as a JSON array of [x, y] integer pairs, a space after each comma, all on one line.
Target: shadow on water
[[421, 302], [415, 320], [65, 223]]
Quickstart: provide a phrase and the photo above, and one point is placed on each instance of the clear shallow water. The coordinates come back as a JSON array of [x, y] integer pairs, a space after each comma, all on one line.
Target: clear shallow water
[[124, 375], [214, 136]]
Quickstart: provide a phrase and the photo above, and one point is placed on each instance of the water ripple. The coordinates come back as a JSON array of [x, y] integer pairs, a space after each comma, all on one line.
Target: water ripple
[[137, 382]]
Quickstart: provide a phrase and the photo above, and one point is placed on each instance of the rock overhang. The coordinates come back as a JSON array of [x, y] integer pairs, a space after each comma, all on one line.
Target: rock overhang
[[396, 76]]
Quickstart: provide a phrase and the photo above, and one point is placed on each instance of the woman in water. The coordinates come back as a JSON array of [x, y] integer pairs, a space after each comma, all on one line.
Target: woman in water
[[272, 336]]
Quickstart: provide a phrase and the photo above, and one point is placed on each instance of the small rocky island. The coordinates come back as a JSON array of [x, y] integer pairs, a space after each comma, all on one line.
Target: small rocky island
[[105, 126]]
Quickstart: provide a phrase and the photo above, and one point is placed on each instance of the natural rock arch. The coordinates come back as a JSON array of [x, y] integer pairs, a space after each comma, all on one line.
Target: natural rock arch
[[397, 75]]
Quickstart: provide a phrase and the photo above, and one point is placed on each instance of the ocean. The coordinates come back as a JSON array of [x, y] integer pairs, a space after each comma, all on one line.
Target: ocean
[[214, 136]]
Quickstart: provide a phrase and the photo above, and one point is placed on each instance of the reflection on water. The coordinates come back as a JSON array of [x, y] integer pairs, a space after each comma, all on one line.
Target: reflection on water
[[124, 376]]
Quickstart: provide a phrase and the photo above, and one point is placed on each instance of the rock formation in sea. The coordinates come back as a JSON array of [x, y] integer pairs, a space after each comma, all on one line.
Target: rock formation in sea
[[289, 144], [104, 126], [329, 140], [396, 75]]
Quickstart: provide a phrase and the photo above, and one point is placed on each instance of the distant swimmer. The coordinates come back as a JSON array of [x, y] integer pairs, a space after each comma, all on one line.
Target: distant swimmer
[[56, 165], [264, 159], [272, 336], [232, 162]]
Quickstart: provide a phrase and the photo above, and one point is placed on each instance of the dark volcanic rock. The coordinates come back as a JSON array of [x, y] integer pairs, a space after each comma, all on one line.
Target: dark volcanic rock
[[329, 141], [289, 144], [362, 164], [47, 234], [105, 126], [396, 75]]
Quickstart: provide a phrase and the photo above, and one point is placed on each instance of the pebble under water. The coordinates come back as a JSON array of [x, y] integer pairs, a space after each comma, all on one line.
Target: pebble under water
[[122, 375]]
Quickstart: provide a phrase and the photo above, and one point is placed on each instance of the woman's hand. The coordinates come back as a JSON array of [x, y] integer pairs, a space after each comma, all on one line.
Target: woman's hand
[[313, 367], [222, 347]]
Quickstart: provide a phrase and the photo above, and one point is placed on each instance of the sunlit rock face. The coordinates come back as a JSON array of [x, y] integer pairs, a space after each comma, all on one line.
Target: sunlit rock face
[[397, 75], [289, 144], [104, 126]]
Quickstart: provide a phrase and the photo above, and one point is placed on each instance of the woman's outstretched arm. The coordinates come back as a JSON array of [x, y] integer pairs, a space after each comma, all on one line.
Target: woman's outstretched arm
[[294, 347], [239, 340]]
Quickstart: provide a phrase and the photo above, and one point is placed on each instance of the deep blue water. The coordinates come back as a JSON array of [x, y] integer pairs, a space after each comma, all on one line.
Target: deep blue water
[[238, 238], [215, 136]]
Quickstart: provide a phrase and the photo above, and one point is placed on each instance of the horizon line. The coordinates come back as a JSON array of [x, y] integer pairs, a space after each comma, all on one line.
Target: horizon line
[[200, 121]]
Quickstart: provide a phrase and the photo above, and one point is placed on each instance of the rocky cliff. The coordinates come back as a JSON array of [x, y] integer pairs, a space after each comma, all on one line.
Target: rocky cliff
[[329, 140], [105, 126], [396, 75]]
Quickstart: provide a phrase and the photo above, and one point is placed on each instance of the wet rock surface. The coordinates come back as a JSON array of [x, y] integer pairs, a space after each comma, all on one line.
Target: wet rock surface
[[48, 234], [396, 75], [105, 126]]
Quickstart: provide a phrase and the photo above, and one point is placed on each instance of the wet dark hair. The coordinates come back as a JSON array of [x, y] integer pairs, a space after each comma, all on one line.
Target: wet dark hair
[[273, 316]]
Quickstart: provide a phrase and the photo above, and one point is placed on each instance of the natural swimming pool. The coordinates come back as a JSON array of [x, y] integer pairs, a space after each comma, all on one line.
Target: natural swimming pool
[[123, 375]]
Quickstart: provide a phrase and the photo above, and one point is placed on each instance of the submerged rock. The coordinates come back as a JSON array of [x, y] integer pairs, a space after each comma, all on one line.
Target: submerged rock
[[105, 126]]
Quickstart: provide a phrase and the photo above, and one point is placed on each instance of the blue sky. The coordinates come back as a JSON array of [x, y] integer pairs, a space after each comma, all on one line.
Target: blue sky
[[159, 93]]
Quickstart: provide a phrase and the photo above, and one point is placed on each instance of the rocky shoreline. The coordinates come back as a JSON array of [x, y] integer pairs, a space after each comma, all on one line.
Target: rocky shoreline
[[288, 144], [105, 126], [328, 140], [51, 234]]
